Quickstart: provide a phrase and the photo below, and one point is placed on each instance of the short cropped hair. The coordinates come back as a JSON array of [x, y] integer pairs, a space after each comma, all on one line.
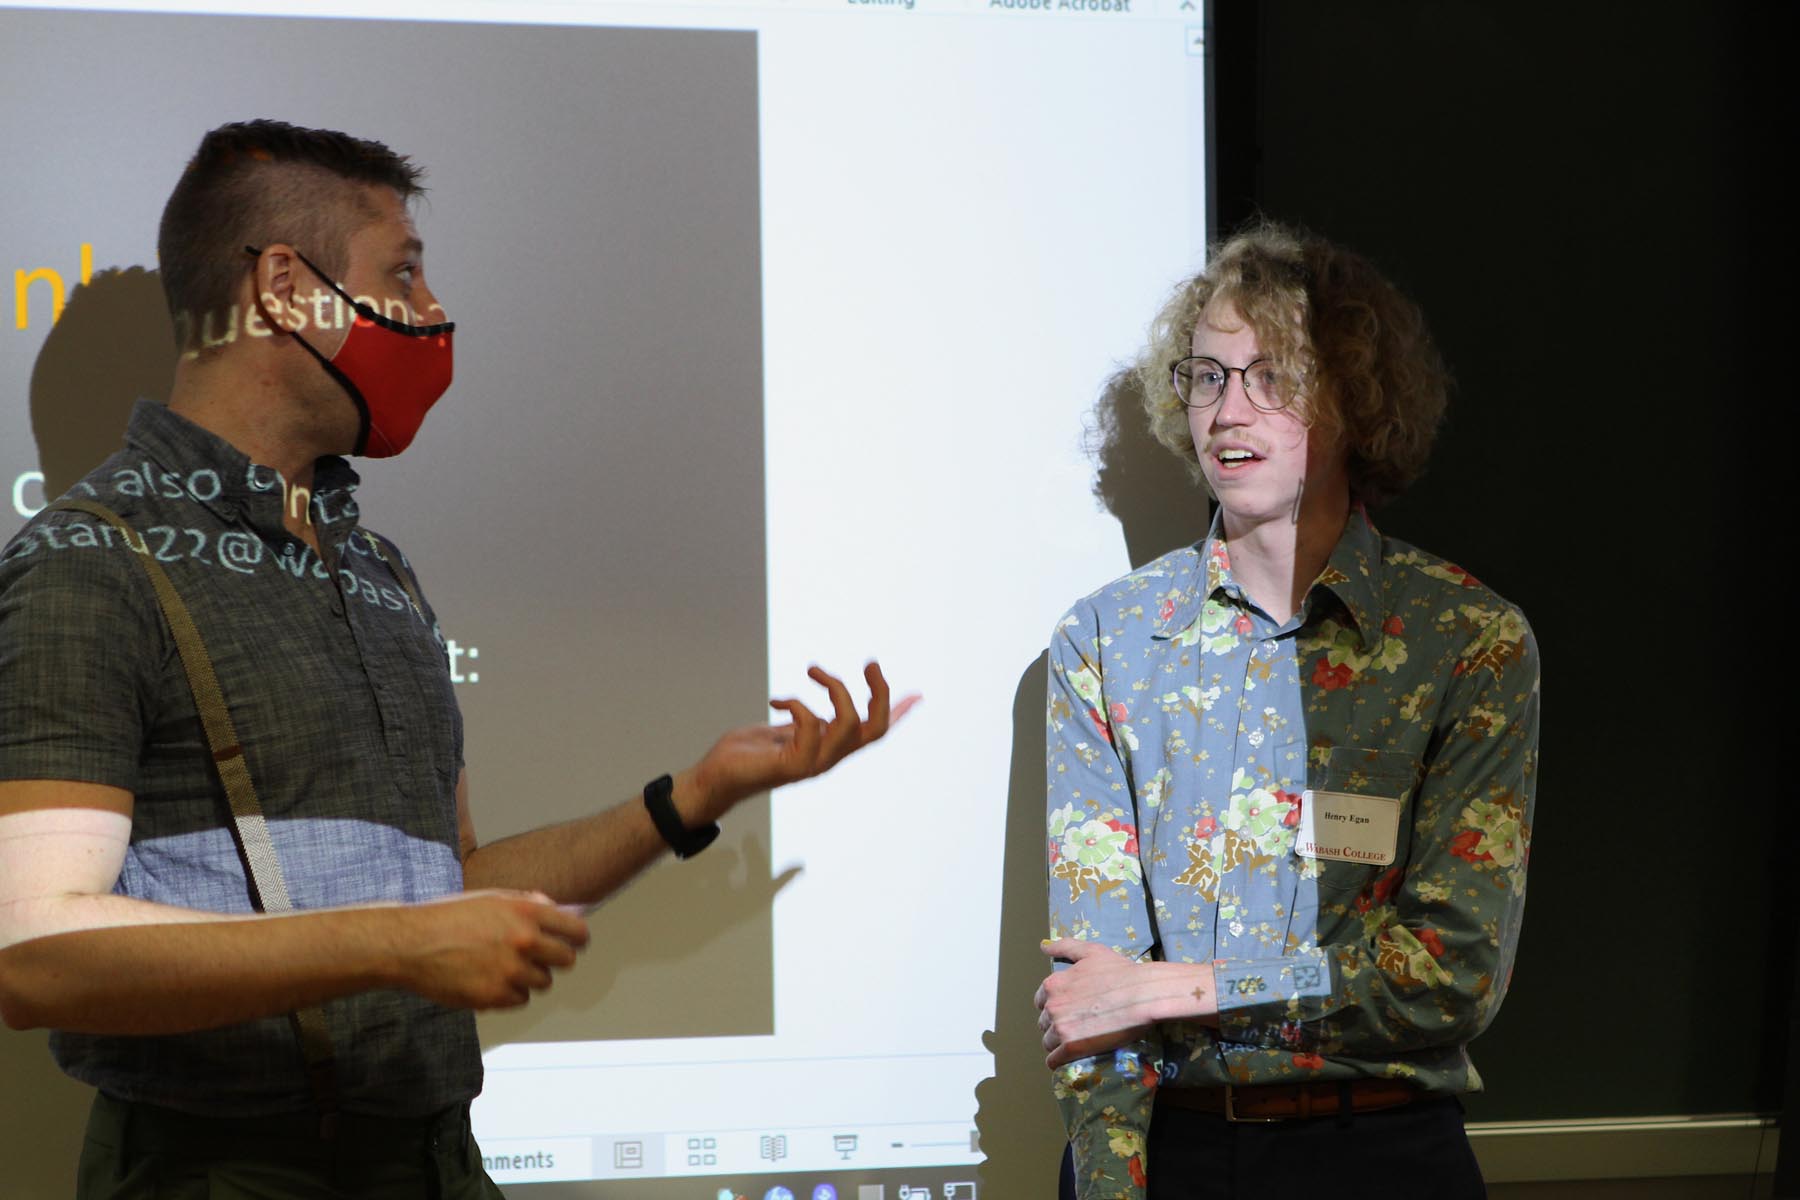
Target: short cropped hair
[[1369, 377], [255, 182]]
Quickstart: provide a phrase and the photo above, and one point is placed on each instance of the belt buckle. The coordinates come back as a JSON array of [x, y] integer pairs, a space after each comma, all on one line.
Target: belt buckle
[[1231, 1111]]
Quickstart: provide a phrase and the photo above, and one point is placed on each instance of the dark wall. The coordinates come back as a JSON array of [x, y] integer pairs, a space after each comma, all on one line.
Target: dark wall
[[1568, 192]]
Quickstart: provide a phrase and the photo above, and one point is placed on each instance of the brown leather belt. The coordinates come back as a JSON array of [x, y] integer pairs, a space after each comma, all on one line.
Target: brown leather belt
[[1290, 1101]]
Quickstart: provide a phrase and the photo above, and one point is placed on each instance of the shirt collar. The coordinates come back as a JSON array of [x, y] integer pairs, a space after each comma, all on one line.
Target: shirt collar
[[1352, 574], [214, 473], [1200, 571]]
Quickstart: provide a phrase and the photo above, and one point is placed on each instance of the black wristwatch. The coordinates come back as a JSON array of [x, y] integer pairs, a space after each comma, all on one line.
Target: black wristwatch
[[659, 796]]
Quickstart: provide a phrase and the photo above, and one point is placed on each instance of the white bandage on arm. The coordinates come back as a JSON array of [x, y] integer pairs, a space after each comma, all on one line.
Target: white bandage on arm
[[57, 871]]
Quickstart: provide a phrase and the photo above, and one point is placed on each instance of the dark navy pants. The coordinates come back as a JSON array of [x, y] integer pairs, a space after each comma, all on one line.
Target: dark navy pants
[[1415, 1152]]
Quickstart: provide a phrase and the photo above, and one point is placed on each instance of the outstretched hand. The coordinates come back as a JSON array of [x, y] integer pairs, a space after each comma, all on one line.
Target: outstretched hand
[[759, 757]]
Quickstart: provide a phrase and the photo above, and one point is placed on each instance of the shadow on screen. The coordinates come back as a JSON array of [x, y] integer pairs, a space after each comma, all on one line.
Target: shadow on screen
[[1158, 508], [724, 891], [112, 345], [1157, 503]]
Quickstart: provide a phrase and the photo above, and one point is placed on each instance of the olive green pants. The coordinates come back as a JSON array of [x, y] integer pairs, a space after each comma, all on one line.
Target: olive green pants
[[140, 1152]]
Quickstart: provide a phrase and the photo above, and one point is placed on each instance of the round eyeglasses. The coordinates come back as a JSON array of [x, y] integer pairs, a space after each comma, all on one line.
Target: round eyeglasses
[[1200, 382]]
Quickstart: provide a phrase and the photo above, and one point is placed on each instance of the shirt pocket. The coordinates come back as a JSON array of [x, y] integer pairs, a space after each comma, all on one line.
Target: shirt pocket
[[1390, 774]]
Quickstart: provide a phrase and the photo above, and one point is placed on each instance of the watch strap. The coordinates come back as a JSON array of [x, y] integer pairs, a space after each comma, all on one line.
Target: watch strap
[[659, 798]]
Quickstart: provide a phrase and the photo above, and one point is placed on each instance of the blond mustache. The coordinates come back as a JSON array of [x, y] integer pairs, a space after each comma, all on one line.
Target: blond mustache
[[1256, 445]]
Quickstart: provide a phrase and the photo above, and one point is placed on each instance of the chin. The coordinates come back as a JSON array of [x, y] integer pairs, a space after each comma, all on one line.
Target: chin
[[1256, 509]]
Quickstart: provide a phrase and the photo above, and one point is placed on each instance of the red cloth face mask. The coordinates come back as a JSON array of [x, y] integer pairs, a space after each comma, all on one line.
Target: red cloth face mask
[[393, 371]]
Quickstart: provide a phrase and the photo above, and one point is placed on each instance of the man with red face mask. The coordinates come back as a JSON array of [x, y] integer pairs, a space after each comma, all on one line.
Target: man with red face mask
[[238, 875]]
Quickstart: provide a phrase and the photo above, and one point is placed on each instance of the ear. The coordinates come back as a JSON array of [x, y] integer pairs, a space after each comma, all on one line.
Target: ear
[[272, 287]]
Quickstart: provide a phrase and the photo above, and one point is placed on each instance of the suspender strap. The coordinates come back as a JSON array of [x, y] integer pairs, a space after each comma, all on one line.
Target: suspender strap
[[268, 887]]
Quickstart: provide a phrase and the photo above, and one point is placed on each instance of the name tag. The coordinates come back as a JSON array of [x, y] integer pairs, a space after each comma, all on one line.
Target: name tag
[[1348, 828]]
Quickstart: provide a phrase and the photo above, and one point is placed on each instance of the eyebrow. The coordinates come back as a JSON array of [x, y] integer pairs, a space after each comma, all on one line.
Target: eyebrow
[[1215, 358], [413, 246]]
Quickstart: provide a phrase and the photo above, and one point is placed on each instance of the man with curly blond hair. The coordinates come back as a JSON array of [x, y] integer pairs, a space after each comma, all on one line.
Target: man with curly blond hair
[[1291, 773]]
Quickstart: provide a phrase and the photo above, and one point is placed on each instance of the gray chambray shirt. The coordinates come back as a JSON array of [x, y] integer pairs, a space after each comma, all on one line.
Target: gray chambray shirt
[[341, 694]]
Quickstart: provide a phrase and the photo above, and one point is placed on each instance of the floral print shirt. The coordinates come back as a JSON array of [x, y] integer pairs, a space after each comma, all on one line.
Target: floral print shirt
[[1187, 733]]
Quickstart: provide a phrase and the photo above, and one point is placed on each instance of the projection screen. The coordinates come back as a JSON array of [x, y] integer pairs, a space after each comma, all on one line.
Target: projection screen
[[781, 332]]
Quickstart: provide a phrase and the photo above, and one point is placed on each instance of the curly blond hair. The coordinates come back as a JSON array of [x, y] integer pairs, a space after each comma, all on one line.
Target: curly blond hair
[[1370, 379]]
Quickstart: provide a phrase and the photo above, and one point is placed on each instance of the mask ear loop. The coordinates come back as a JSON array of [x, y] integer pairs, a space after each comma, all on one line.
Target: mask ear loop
[[367, 312], [362, 404]]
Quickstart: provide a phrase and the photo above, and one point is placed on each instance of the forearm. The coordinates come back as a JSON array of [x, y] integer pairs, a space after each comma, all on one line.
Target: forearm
[[1417, 982], [25, 918], [1178, 992], [588, 859], [196, 972]]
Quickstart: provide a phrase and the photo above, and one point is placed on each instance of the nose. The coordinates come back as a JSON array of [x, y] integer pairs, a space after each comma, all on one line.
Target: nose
[[430, 311], [1234, 407]]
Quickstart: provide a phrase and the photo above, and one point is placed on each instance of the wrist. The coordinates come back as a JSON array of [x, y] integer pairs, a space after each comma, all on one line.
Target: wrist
[[1185, 992], [393, 937], [695, 798], [688, 832]]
